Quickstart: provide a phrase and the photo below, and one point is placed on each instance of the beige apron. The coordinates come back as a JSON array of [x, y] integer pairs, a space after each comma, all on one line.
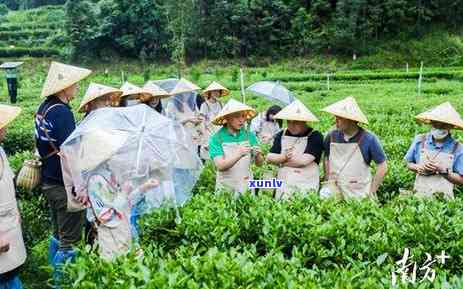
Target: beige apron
[[195, 130], [10, 220], [427, 186], [115, 241], [235, 178], [297, 180], [349, 171]]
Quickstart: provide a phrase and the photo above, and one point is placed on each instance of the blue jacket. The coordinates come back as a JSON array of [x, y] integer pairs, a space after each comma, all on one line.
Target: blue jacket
[[59, 122]]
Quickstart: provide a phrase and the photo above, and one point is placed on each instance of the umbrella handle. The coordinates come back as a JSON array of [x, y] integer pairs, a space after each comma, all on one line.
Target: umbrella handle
[[140, 141]]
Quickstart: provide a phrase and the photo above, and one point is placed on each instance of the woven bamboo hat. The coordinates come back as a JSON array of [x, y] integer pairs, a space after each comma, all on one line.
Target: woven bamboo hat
[[296, 110], [347, 108], [184, 86], [231, 107], [7, 114], [61, 76], [444, 113], [155, 89], [215, 86], [96, 91], [142, 94]]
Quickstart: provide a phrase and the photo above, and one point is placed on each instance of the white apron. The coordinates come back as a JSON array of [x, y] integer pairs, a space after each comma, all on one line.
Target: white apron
[[10, 222], [235, 178], [349, 171], [297, 180], [209, 111], [427, 186]]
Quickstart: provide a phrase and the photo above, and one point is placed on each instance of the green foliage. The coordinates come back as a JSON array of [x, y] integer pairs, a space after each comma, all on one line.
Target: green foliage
[[307, 243], [82, 27], [190, 30], [36, 33], [383, 33], [35, 219], [131, 27], [29, 4], [36, 271], [3, 9]]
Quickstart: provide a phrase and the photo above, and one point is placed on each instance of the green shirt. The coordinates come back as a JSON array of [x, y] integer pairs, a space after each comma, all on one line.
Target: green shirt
[[223, 135], [11, 73]]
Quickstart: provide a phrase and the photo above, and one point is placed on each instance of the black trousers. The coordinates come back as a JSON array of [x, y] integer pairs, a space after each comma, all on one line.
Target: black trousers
[[67, 226]]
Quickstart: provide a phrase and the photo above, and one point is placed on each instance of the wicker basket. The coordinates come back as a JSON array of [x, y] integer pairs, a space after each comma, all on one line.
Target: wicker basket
[[30, 175]]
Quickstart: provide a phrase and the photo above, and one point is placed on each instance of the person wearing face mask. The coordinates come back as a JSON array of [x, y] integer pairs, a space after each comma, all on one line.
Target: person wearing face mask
[[158, 93], [209, 110], [265, 126], [349, 151], [12, 249], [133, 95], [436, 157], [233, 148], [54, 122], [297, 150], [99, 96]]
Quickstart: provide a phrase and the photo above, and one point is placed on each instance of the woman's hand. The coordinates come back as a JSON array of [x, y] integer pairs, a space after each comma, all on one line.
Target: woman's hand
[[150, 184], [82, 197], [4, 246], [244, 150]]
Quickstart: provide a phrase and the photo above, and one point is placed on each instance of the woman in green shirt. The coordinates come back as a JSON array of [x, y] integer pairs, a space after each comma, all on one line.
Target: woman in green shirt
[[233, 148]]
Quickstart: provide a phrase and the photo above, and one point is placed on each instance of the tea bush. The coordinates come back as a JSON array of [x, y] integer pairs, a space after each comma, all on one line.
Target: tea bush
[[223, 242], [257, 242]]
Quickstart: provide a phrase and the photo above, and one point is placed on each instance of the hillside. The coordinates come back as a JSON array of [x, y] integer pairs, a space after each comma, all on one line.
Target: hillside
[[36, 32]]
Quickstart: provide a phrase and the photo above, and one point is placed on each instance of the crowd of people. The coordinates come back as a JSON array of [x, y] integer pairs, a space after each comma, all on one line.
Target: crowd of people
[[228, 135]]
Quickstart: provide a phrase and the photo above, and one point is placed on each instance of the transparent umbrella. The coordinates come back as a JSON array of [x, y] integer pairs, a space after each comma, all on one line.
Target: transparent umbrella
[[273, 91], [131, 147]]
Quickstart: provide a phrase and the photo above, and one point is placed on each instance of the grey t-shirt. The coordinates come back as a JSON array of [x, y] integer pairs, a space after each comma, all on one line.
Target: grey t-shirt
[[370, 147]]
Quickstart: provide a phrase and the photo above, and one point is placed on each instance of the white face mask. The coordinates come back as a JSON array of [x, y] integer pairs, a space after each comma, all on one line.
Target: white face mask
[[132, 102], [439, 134]]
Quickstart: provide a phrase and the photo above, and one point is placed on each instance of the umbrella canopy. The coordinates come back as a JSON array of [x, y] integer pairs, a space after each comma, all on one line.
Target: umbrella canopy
[[169, 84], [133, 145], [273, 91]]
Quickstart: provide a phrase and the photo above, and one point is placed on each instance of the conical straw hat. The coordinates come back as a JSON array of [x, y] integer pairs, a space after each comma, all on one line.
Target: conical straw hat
[[7, 114], [215, 86], [95, 91], [61, 76], [296, 111], [129, 89], [99, 146], [231, 107], [444, 113], [155, 89], [184, 86], [347, 108]]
